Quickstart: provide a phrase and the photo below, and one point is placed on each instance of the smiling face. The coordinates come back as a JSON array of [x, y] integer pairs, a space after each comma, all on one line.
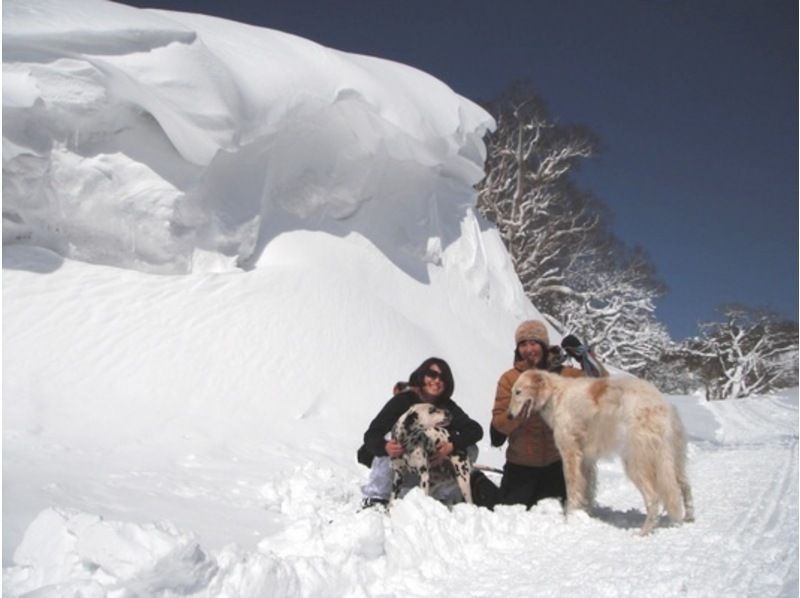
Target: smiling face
[[531, 352], [531, 392], [432, 383]]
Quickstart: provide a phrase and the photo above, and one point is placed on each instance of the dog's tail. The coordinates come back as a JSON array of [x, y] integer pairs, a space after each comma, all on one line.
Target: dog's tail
[[679, 448], [673, 486]]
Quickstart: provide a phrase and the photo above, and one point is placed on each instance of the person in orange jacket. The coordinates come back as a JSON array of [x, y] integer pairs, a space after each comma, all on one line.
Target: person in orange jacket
[[533, 468]]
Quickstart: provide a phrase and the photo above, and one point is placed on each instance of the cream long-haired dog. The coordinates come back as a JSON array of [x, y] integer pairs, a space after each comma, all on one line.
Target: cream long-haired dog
[[593, 417]]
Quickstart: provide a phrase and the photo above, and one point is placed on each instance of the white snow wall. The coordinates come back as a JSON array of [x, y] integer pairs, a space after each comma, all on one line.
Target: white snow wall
[[168, 142], [308, 206]]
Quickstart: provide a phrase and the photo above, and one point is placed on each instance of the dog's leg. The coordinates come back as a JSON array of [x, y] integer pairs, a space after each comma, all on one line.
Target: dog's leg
[[642, 474], [688, 503], [397, 477], [653, 506], [683, 483], [463, 470], [589, 471], [418, 459], [573, 475], [425, 479]]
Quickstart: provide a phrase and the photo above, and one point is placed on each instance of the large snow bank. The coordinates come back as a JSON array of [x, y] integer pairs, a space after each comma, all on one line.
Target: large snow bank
[[169, 142], [151, 139]]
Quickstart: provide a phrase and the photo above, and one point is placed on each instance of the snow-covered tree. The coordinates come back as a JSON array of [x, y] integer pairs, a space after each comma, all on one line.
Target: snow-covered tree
[[672, 373], [612, 306], [543, 219], [751, 351], [572, 267]]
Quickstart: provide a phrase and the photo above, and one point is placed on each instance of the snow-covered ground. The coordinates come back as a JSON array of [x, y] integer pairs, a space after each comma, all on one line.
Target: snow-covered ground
[[223, 245], [148, 448]]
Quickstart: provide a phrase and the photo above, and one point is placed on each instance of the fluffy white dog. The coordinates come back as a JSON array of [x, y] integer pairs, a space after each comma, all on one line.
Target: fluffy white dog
[[592, 417]]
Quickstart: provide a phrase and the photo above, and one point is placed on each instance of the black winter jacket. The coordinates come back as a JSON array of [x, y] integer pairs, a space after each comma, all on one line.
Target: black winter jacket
[[463, 430]]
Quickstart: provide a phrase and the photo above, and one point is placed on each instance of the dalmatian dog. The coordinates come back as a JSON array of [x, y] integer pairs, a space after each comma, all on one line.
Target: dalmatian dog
[[421, 431]]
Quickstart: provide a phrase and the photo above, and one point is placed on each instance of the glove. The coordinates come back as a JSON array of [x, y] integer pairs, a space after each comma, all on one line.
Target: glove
[[573, 346], [581, 353], [497, 437]]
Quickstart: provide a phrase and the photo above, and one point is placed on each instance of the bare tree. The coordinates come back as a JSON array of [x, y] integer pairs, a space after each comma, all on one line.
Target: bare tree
[[673, 372], [612, 306], [572, 267], [543, 219], [587, 282], [751, 351]]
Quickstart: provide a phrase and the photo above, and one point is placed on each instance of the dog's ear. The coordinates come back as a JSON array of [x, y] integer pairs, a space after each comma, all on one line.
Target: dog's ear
[[410, 422], [538, 380], [542, 389], [533, 379]]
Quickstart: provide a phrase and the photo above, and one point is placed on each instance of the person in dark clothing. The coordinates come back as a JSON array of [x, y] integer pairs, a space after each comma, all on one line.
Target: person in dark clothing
[[432, 382]]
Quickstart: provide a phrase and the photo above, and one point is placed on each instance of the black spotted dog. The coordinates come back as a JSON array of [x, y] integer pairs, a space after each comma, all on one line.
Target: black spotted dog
[[421, 431]]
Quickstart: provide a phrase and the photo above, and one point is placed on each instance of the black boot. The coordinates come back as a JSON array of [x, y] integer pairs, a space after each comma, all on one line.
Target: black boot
[[484, 492], [368, 503]]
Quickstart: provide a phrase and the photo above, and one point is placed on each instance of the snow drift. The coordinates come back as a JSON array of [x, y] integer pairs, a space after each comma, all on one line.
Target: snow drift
[[316, 206], [222, 247], [318, 203], [150, 139]]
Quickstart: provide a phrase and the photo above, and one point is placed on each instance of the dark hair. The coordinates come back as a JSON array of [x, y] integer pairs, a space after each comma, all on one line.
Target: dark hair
[[417, 376], [543, 362]]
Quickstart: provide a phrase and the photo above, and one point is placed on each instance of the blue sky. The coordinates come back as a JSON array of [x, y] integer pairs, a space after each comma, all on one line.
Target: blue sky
[[695, 103]]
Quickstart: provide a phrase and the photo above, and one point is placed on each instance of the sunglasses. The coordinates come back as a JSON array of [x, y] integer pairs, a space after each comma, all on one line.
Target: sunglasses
[[433, 374]]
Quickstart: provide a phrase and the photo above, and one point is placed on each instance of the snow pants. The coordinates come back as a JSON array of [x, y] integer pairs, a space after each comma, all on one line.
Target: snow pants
[[379, 483], [523, 485]]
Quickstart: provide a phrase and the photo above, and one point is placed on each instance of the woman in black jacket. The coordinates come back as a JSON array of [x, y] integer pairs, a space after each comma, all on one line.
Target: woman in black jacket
[[432, 382]]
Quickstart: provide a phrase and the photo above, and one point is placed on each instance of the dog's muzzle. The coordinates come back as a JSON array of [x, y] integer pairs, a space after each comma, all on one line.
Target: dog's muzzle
[[523, 413]]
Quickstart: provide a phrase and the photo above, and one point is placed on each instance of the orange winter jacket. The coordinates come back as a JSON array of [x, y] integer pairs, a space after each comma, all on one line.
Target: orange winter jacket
[[530, 442]]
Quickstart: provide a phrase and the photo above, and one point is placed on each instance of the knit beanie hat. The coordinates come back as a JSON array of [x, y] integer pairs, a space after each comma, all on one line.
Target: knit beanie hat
[[532, 330]]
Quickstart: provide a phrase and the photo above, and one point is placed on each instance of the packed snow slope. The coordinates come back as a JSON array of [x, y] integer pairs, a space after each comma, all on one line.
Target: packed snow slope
[[222, 246]]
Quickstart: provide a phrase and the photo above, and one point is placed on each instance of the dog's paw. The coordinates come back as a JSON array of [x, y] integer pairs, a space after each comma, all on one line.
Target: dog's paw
[[577, 517]]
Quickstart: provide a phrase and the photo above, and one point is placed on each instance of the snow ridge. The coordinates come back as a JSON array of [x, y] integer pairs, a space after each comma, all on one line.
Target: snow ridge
[[285, 127]]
